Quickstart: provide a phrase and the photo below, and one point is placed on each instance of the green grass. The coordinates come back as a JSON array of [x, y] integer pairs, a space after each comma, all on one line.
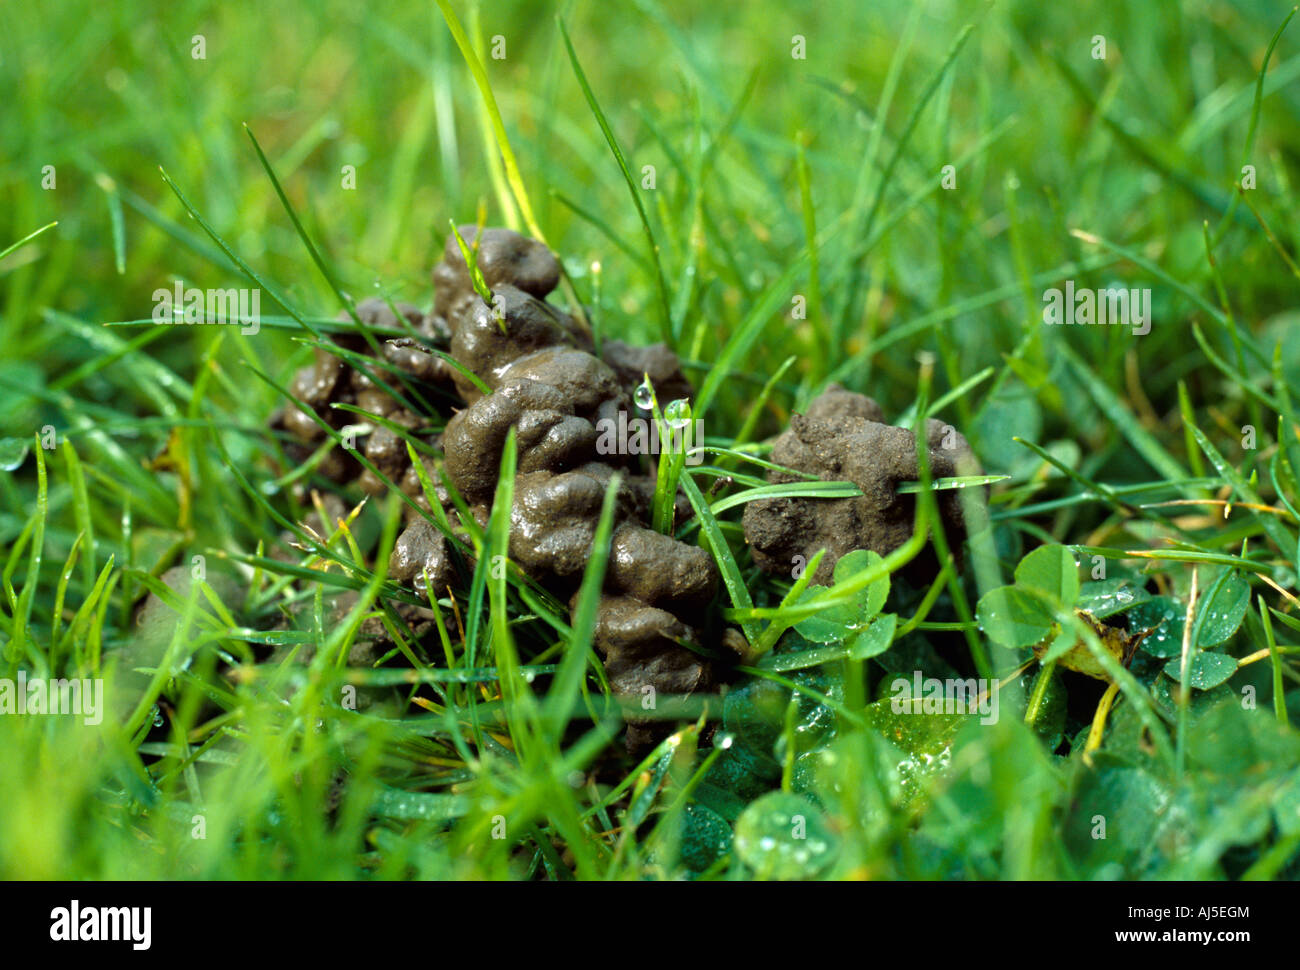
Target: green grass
[[488, 745]]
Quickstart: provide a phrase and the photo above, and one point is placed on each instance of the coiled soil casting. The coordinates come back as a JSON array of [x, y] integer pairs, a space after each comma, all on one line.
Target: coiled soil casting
[[527, 365]]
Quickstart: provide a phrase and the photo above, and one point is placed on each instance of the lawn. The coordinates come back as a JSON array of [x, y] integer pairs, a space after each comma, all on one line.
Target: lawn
[[931, 204]]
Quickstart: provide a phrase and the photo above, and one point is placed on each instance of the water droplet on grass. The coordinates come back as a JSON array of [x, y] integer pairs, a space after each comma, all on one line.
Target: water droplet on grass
[[644, 396], [784, 836], [13, 452]]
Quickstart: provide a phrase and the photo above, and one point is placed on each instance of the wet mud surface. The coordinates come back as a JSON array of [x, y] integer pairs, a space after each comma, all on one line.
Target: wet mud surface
[[548, 384], [842, 437]]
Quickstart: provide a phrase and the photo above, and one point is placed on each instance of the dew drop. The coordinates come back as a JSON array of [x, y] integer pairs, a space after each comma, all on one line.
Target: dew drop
[[645, 395], [13, 451]]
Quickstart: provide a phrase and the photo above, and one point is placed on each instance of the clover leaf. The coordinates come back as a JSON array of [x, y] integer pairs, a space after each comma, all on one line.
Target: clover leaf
[[846, 620]]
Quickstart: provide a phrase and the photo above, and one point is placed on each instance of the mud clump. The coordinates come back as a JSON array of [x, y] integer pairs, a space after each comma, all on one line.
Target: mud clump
[[421, 557], [549, 436], [503, 257], [544, 381], [402, 364], [548, 385], [530, 367], [843, 437], [633, 363]]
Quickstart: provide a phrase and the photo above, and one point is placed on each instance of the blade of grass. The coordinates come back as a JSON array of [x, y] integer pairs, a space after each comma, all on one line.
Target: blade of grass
[[748, 330], [14, 247], [1256, 103], [1275, 660], [116, 225], [665, 311], [564, 689], [731, 577], [1123, 419]]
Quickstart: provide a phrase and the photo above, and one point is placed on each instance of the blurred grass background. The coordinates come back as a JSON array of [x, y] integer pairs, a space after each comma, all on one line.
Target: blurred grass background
[[116, 93]]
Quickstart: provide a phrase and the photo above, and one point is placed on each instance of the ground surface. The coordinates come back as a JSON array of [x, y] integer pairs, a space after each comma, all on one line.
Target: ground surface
[[891, 210]]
